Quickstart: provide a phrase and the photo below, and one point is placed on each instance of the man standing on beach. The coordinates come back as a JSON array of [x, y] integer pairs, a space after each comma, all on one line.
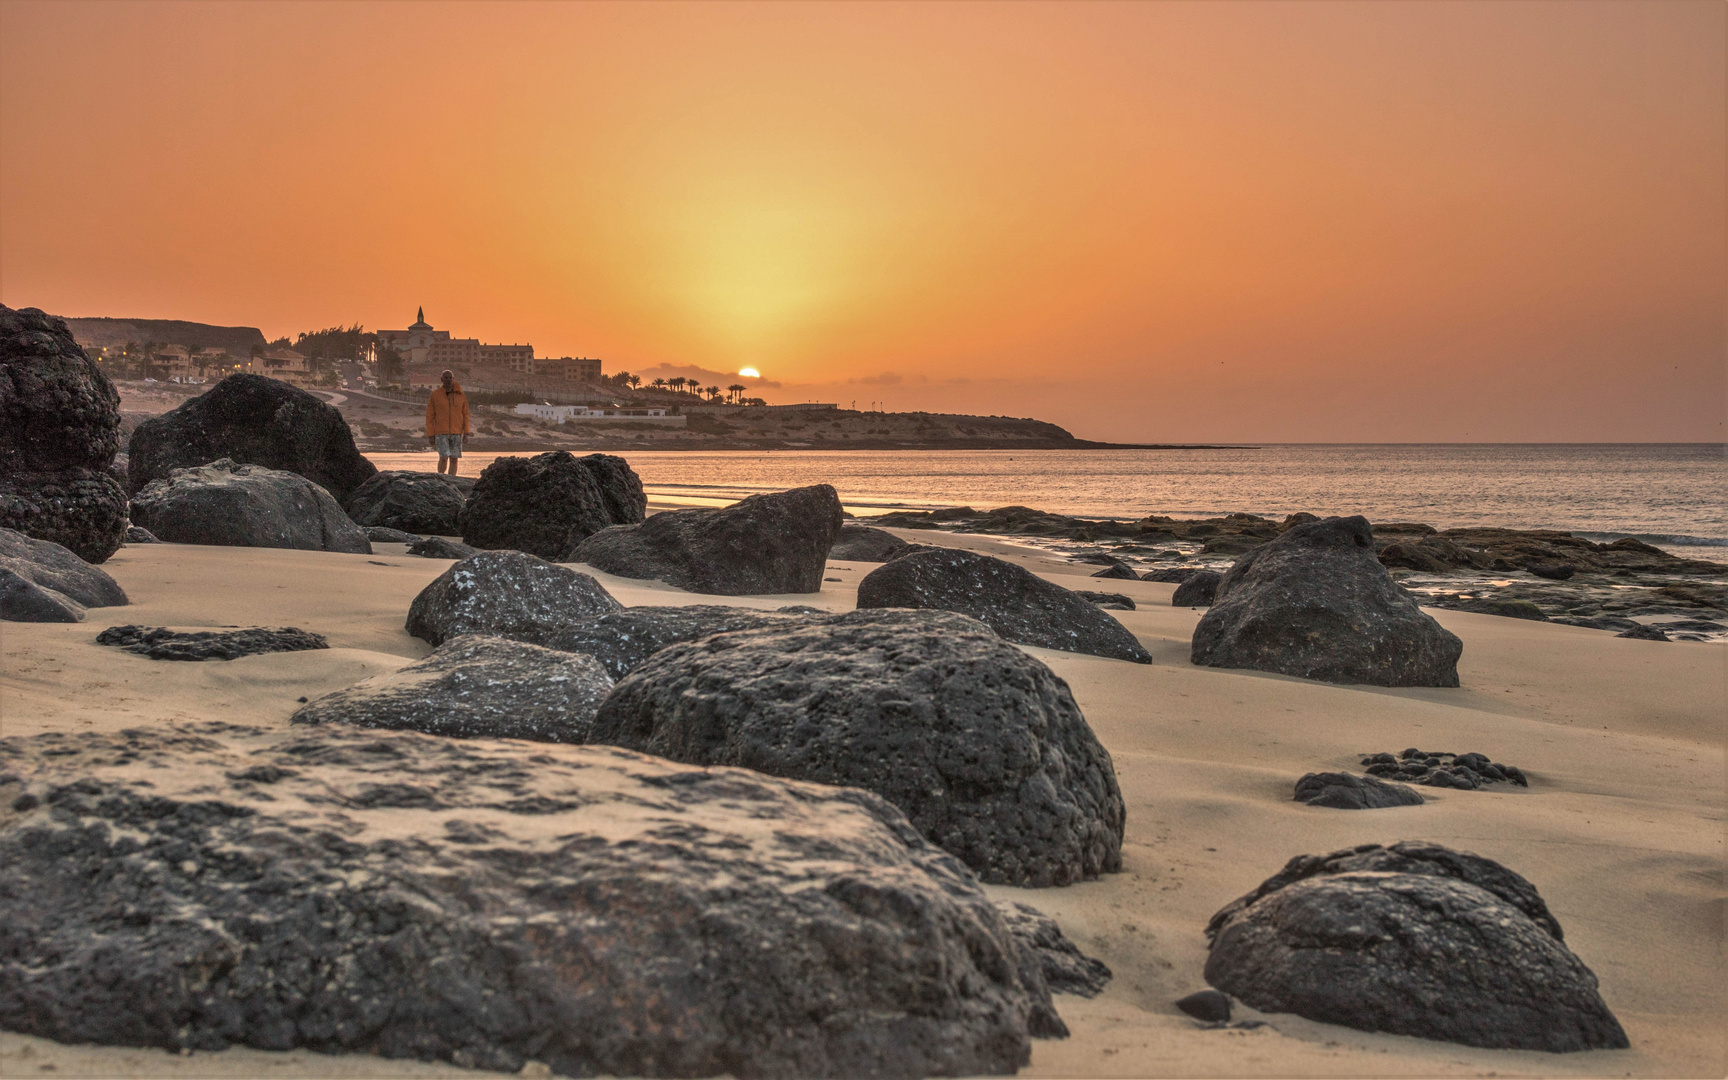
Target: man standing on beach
[[447, 422]]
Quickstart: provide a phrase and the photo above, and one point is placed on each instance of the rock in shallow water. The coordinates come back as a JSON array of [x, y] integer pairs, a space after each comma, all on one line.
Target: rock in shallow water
[[161, 643], [981, 745], [506, 593], [1316, 603], [476, 687], [487, 903], [547, 504], [1011, 600], [1415, 939]]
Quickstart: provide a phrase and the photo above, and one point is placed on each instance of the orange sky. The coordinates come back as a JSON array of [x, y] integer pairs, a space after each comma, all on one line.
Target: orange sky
[[1168, 222]]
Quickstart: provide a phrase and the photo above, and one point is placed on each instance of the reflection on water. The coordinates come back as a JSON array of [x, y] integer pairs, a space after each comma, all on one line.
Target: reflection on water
[[1675, 496]]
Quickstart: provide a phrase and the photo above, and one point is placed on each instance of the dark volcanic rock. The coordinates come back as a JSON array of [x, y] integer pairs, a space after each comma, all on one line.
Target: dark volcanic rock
[[477, 902], [1066, 969], [1121, 571], [161, 643], [59, 430], [1011, 600], [1415, 939], [1175, 574], [22, 600], [776, 543], [1208, 1006], [506, 593], [980, 744], [623, 639], [547, 504], [476, 687], [1434, 768], [1643, 633], [138, 534], [1199, 589], [1506, 607], [1110, 601], [81, 509], [252, 420], [1316, 603], [380, 535], [1552, 571], [226, 503], [862, 543], [436, 547], [416, 502], [57, 410], [49, 566], [1347, 791]]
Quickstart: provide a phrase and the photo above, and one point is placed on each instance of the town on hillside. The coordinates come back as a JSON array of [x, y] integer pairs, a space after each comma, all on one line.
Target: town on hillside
[[519, 402]]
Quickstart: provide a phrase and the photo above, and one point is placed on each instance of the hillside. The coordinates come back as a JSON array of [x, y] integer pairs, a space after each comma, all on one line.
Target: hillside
[[113, 333]]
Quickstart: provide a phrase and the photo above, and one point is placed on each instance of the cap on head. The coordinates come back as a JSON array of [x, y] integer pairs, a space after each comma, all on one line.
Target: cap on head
[[447, 374]]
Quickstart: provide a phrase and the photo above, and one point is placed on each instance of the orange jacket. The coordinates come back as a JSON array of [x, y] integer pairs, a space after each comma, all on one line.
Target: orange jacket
[[447, 411]]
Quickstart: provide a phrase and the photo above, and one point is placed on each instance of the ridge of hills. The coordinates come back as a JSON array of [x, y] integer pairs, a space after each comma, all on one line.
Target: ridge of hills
[[109, 333]]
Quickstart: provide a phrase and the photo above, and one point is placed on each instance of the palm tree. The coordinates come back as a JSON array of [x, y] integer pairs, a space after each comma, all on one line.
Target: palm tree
[[713, 393], [658, 384], [677, 382], [635, 381], [734, 390]]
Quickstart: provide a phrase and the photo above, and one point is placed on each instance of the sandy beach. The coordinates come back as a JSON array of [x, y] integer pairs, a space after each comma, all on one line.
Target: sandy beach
[[1621, 828]]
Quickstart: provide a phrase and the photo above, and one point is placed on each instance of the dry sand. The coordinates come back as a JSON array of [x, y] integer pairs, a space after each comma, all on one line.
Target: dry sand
[[1622, 829]]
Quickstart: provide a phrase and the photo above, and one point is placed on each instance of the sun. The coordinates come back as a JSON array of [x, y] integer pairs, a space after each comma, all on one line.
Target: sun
[[750, 373]]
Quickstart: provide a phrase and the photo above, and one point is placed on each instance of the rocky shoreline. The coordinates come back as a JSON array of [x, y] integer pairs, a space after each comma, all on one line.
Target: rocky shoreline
[[1541, 575]]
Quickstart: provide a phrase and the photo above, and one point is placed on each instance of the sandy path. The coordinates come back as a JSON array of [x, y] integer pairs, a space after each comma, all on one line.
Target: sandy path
[[1622, 830]]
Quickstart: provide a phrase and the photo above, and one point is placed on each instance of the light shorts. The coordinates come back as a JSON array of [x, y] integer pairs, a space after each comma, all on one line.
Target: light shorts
[[449, 445]]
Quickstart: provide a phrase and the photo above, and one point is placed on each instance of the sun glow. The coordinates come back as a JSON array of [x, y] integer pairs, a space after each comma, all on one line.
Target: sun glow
[[749, 373]]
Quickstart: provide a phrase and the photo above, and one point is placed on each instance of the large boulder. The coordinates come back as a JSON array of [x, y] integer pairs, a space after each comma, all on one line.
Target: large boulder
[[1011, 600], [546, 505], [472, 901], [81, 509], [226, 503], [59, 431], [623, 639], [980, 744], [476, 687], [775, 543], [1415, 939], [251, 420], [51, 566], [1316, 603], [862, 543], [415, 502], [507, 594]]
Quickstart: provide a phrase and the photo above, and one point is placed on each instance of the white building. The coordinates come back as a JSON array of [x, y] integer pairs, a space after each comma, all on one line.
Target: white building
[[559, 414]]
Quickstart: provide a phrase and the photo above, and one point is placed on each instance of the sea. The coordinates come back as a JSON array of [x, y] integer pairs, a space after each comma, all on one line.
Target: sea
[[1674, 496]]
